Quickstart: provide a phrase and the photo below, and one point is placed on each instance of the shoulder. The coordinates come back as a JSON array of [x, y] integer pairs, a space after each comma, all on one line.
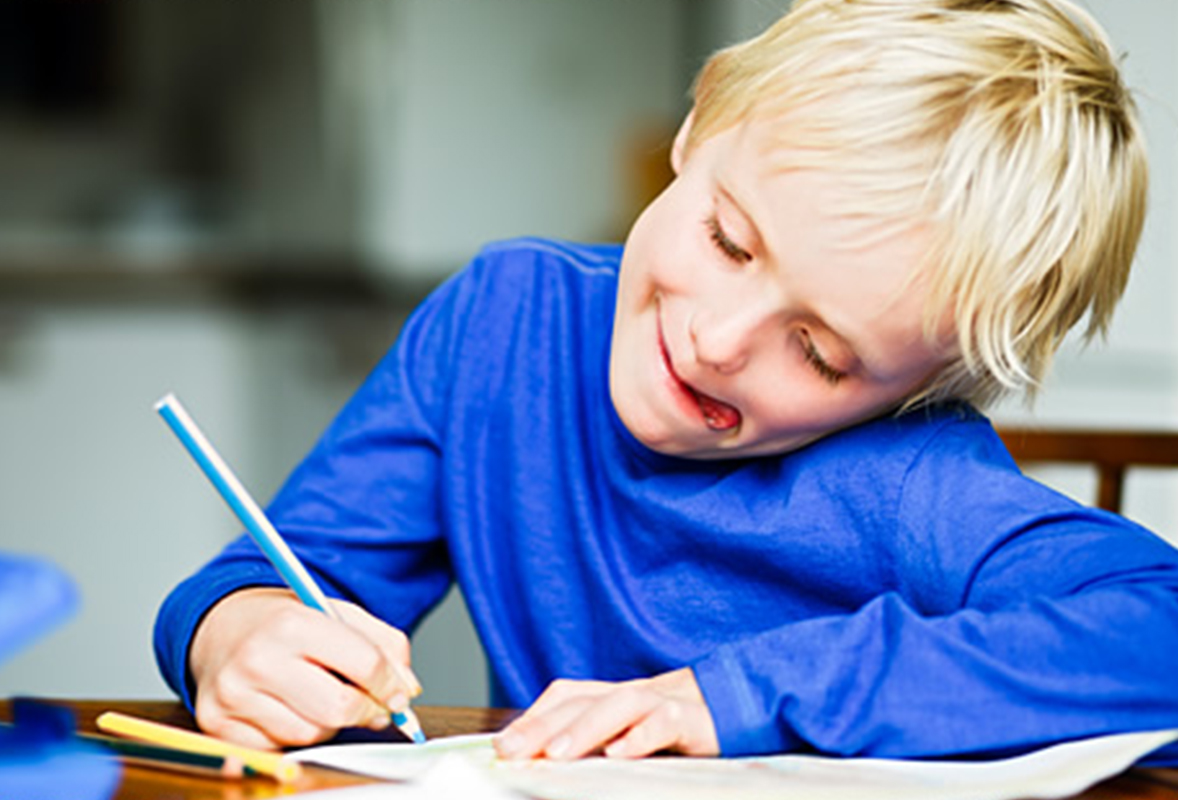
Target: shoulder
[[858, 479], [528, 254], [512, 276], [935, 436], [944, 461], [932, 485], [954, 447], [980, 531], [509, 279], [514, 279]]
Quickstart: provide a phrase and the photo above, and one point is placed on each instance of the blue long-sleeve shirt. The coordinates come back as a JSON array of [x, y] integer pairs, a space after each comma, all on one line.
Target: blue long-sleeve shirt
[[894, 589]]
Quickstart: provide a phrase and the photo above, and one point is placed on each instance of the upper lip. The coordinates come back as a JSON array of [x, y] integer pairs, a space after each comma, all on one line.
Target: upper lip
[[666, 353], [670, 364]]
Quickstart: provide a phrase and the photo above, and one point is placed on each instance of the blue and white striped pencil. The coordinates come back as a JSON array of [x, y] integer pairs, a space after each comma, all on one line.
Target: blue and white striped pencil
[[259, 527]]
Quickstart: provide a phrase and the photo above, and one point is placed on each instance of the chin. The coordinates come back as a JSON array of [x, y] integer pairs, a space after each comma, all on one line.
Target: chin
[[729, 449], [709, 448]]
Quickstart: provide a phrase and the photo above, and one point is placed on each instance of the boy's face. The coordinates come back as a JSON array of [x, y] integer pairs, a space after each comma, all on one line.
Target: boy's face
[[748, 323]]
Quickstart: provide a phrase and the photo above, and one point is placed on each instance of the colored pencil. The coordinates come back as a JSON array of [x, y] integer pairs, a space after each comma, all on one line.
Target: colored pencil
[[167, 736], [160, 757]]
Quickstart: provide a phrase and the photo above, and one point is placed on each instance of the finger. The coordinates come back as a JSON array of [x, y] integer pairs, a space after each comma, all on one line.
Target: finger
[[284, 726], [245, 734], [604, 719], [392, 644], [324, 698], [561, 691], [288, 669], [332, 645], [540, 733], [684, 726], [261, 721], [525, 737], [661, 729]]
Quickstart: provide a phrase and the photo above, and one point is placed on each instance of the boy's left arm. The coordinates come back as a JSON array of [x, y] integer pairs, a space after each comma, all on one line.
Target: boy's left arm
[[887, 681], [1019, 619]]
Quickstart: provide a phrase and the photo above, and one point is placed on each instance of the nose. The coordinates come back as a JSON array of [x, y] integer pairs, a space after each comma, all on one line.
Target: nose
[[725, 339]]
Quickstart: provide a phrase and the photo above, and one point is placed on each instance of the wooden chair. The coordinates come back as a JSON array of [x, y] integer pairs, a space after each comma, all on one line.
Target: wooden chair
[[1110, 452]]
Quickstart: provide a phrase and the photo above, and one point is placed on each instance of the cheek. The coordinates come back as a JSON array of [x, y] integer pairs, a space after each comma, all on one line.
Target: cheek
[[662, 239], [793, 402], [638, 255]]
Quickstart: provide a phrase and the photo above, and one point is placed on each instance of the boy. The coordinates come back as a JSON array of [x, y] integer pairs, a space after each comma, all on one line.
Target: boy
[[759, 514]]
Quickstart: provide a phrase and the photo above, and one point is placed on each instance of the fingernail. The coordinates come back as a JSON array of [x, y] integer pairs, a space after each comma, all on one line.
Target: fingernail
[[559, 747], [509, 744], [380, 720], [616, 749], [398, 702]]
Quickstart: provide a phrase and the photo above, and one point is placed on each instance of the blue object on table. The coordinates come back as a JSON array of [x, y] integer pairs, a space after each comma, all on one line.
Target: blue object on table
[[34, 597], [40, 758]]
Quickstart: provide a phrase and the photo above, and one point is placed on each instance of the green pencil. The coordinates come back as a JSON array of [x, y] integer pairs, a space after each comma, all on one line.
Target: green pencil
[[163, 757]]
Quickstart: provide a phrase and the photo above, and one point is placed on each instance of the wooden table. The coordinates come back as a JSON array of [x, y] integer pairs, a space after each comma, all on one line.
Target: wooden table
[[143, 783]]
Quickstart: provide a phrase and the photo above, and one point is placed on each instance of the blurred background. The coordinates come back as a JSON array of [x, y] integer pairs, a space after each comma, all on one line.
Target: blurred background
[[240, 202]]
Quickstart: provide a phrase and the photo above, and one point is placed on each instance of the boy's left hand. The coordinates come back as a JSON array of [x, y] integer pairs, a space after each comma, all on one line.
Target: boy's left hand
[[629, 719]]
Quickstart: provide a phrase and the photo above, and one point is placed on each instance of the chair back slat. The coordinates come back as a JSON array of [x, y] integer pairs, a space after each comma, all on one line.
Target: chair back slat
[[1112, 453]]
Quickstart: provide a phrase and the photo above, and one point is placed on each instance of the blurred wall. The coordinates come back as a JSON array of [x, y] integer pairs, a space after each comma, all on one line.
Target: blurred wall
[[240, 204]]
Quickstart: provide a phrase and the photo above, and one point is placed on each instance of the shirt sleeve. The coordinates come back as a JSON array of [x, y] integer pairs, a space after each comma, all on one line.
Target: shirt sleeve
[[1023, 619], [362, 509]]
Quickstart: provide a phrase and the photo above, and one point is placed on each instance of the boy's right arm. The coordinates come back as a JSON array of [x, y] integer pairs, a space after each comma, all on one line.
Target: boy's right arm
[[271, 672], [362, 512]]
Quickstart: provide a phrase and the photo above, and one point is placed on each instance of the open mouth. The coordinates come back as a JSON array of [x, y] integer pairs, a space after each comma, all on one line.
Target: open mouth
[[718, 415]]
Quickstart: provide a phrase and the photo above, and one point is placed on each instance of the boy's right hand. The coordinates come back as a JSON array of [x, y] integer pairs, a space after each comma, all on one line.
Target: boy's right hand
[[271, 672]]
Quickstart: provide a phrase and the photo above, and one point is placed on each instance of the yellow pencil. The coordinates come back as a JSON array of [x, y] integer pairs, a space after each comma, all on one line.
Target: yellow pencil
[[260, 761]]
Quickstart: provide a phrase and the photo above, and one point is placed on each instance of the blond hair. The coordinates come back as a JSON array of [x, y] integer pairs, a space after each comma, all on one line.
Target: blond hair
[[1002, 124]]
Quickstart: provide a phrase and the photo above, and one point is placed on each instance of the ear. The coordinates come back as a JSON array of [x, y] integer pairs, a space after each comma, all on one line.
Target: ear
[[679, 147]]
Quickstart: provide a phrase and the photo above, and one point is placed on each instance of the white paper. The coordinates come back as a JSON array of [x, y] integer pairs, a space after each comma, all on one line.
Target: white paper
[[450, 776], [1054, 772], [398, 762]]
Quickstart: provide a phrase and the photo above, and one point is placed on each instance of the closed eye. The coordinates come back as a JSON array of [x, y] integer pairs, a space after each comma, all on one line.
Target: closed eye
[[820, 364], [730, 249]]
